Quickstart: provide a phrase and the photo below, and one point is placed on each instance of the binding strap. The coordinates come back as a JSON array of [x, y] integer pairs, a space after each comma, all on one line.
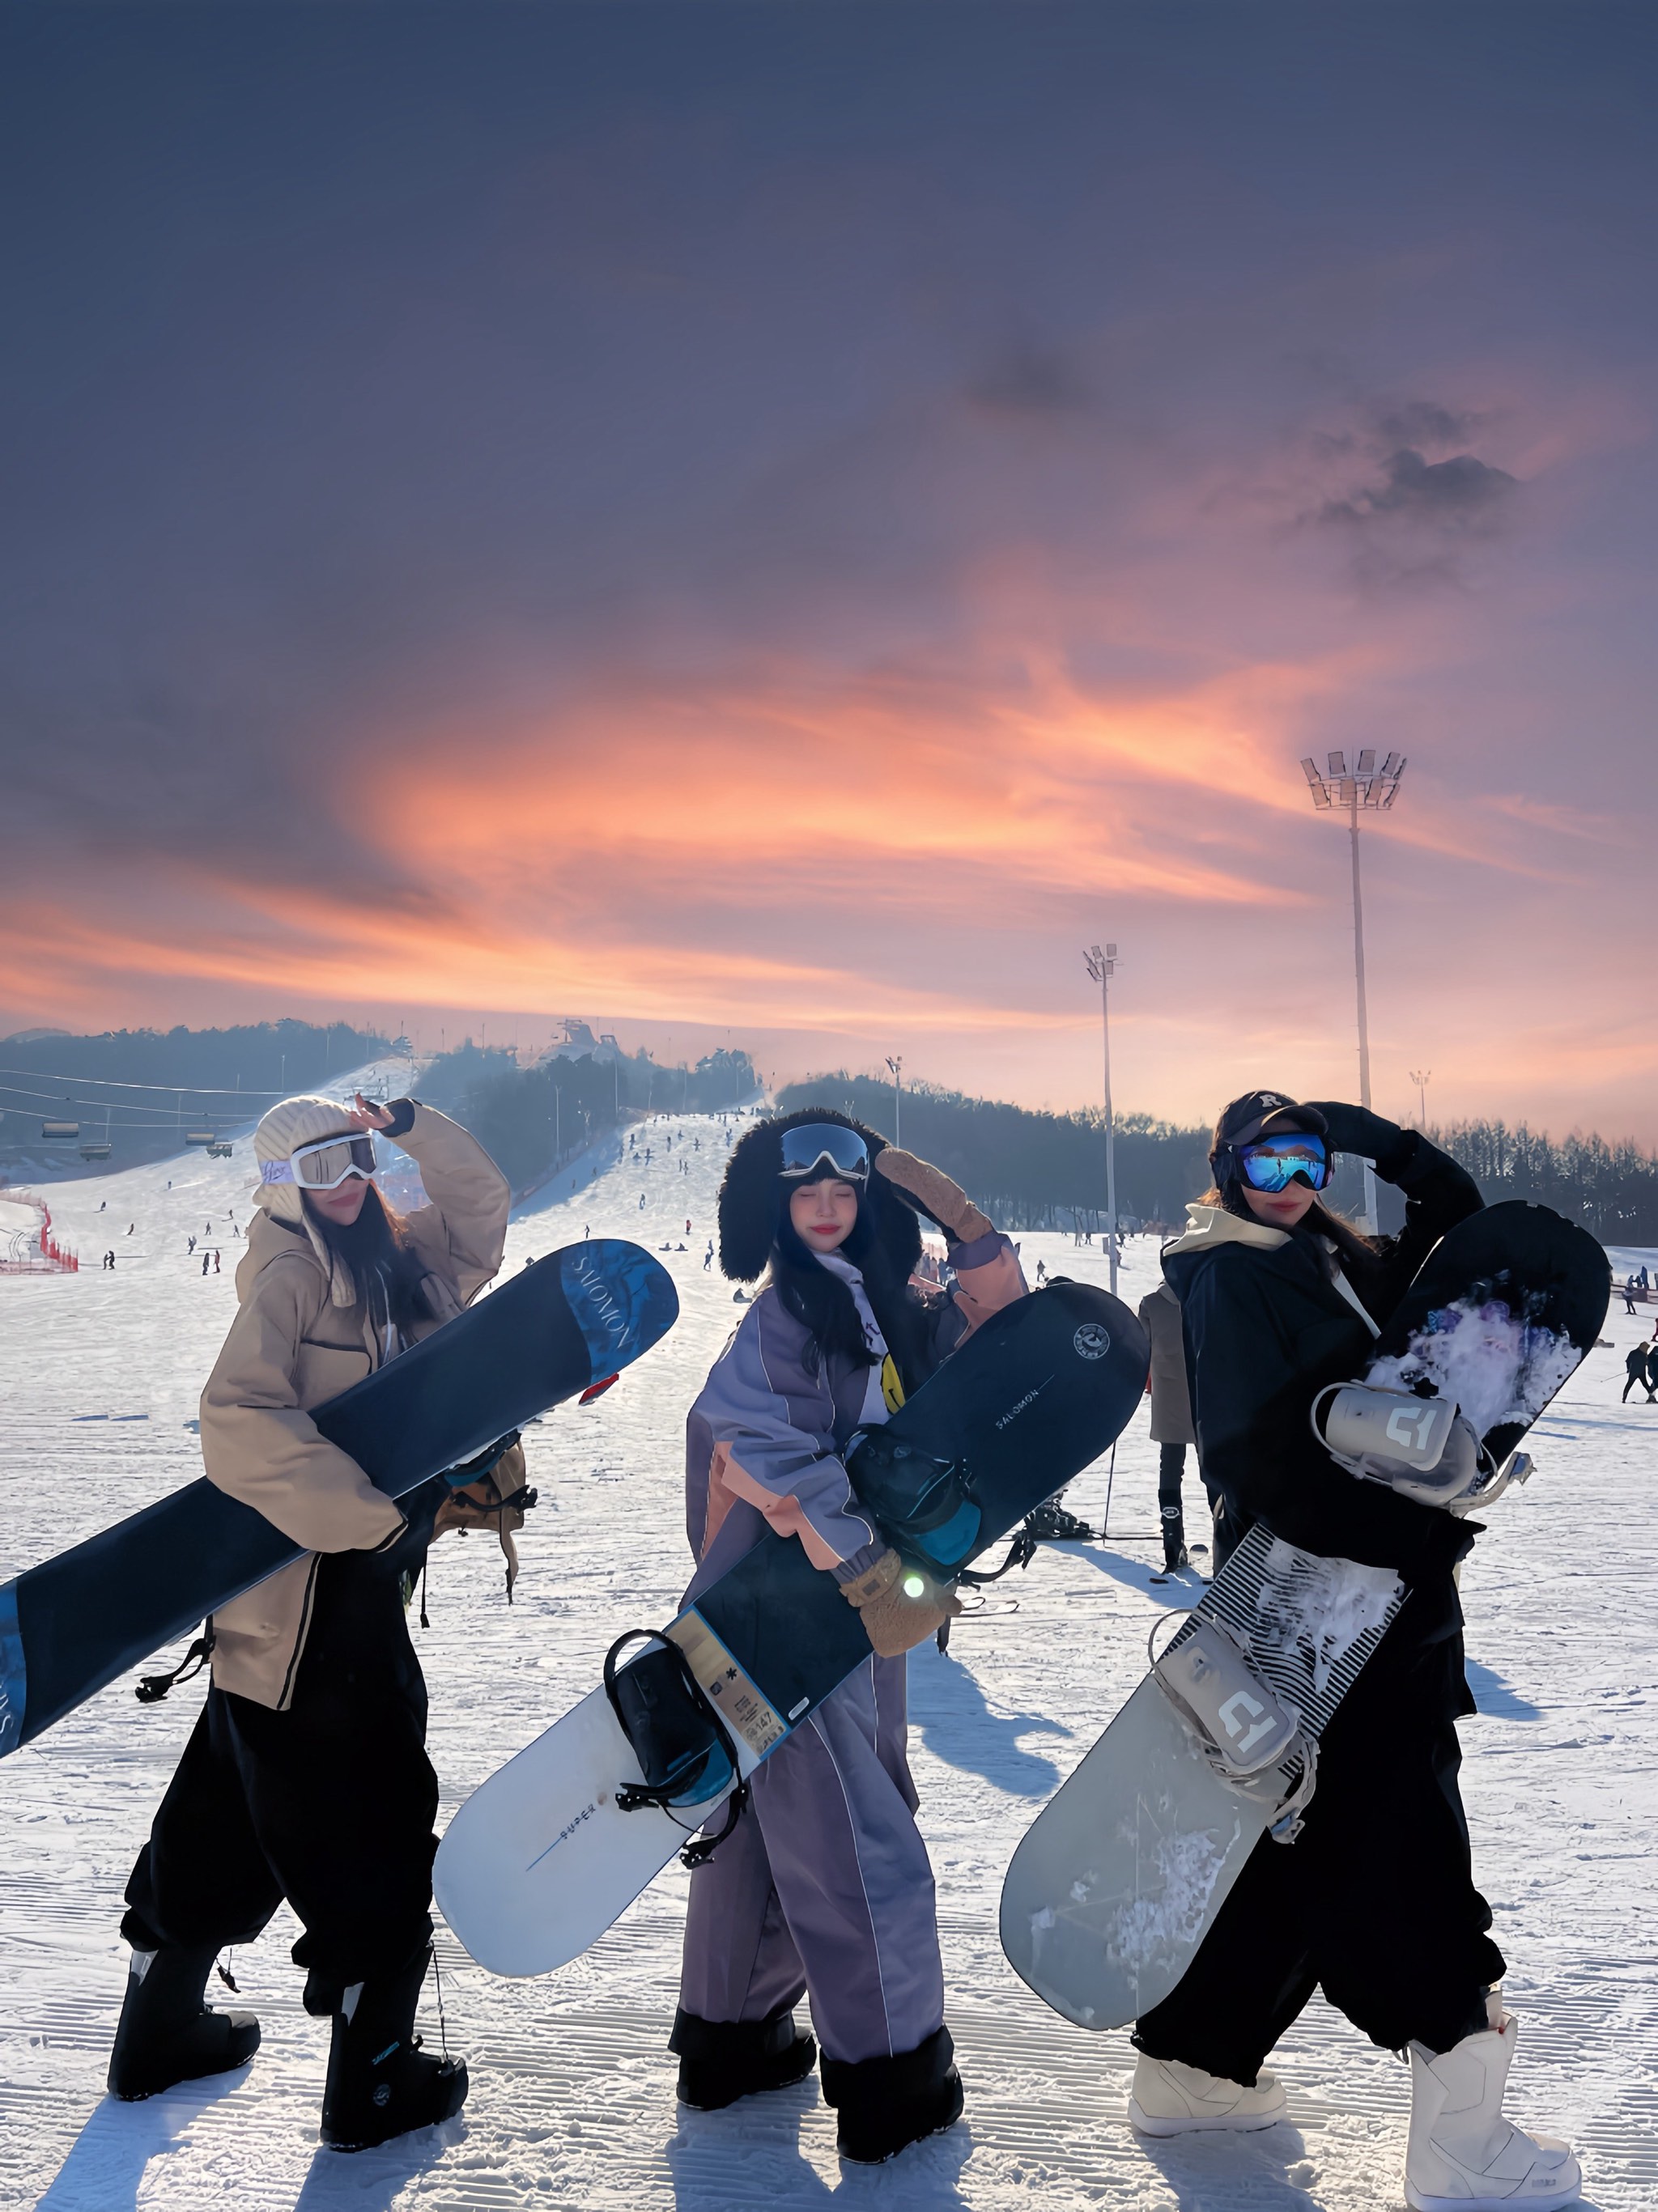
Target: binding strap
[[633, 1795], [1020, 1551]]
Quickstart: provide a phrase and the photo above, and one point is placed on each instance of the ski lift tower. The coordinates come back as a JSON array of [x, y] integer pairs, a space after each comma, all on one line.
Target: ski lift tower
[[1101, 964], [1363, 788]]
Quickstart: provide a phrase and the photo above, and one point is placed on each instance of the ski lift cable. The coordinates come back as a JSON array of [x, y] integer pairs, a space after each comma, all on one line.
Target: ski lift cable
[[166, 1090], [106, 1107]]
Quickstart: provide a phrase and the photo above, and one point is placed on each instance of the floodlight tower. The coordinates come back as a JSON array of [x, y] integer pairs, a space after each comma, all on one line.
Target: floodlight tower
[[1366, 788], [896, 1067], [1101, 967], [1420, 1076]]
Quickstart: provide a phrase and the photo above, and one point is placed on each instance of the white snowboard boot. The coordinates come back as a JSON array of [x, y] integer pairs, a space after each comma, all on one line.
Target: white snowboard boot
[[1463, 2156], [1171, 2099]]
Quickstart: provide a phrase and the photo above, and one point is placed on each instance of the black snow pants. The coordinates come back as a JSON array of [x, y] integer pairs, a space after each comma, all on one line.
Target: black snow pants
[[329, 1804], [1374, 1901]]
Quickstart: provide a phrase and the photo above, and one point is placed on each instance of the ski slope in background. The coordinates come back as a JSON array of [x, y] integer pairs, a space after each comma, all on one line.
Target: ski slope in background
[[573, 2100]]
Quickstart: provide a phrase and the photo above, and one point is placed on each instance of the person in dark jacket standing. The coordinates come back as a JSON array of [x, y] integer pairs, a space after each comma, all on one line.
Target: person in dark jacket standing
[[1376, 1900], [1638, 1365], [1171, 1429], [824, 1885]]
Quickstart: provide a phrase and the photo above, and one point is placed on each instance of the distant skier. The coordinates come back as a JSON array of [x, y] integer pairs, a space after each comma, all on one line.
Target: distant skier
[[823, 1886], [708, 1257], [1375, 1902], [1638, 1367], [207, 1258], [215, 1260], [305, 1775], [1628, 1294]]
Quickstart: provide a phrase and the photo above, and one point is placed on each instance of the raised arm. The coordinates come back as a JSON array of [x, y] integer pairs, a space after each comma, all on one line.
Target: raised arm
[[465, 1227]]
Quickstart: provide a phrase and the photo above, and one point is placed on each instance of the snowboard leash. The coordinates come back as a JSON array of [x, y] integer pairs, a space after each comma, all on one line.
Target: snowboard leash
[[437, 1987], [152, 1688]]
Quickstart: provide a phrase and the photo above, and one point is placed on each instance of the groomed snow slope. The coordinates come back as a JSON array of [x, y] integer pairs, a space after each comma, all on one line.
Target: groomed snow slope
[[573, 2103]]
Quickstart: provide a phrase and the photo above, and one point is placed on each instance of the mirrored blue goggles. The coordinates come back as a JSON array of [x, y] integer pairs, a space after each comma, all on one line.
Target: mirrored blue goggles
[[1275, 1163], [819, 1149]]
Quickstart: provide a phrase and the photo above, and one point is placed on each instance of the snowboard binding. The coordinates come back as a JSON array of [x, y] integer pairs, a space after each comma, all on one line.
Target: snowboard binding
[[926, 1509], [925, 1506], [685, 1750], [1251, 1737], [1421, 1446]]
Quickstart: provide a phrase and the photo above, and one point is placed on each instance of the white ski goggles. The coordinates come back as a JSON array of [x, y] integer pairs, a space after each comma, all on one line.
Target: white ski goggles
[[324, 1164]]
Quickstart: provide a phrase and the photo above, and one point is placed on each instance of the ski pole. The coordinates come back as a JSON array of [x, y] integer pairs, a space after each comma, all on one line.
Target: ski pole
[[1111, 1477]]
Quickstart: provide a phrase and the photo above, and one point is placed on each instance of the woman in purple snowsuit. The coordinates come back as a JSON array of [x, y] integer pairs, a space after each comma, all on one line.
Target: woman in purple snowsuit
[[823, 1886]]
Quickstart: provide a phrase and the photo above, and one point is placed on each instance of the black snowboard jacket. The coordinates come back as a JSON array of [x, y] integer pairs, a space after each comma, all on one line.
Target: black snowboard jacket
[[1266, 1327]]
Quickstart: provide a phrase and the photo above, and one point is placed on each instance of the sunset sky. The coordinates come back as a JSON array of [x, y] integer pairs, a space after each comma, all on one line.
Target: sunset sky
[[791, 520]]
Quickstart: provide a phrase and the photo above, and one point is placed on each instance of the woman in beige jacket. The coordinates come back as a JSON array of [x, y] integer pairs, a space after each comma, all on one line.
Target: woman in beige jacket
[[305, 1775]]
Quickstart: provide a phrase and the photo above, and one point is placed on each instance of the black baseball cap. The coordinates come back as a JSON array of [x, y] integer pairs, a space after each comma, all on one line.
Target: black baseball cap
[[1260, 1114]]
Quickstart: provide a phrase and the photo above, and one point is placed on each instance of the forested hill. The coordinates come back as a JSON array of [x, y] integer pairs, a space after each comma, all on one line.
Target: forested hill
[[531, 1119], [1028, 1170]]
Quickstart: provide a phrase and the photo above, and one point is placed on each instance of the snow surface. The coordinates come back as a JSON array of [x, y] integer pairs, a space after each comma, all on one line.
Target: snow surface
[[573, 2091]]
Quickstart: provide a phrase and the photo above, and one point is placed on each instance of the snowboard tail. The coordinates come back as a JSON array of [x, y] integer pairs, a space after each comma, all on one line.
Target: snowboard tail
[[71, 1625], [1031, 1399]]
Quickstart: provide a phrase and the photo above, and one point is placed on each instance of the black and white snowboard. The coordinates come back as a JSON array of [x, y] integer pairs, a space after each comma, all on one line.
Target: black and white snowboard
[[541, 1859], [1119, 1880], [73, 1623]]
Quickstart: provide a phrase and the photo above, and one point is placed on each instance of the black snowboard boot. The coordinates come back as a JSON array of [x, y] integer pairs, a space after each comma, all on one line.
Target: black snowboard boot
[[169, 2032], [886, 2104], [1052, 1524], [381, 2083], [722, 2060]]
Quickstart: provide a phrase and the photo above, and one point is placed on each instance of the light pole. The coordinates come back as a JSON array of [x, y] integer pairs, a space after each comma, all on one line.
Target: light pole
[[1419, 1076], [896, 1067], [1373, 790], [1102, 966]]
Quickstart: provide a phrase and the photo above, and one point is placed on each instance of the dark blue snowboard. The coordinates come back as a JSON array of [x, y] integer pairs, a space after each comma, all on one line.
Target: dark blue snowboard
[[69, 1628]]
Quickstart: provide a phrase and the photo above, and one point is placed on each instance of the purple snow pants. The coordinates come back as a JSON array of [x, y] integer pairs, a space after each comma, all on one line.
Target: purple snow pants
[[823, 1887]]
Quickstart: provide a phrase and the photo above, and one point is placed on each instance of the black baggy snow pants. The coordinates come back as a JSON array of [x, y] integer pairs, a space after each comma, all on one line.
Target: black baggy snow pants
[[1374, 1901], [329, 1804]]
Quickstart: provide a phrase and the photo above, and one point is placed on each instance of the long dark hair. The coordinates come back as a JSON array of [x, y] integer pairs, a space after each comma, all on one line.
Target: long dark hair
[[824, 1307], [378, 1256]]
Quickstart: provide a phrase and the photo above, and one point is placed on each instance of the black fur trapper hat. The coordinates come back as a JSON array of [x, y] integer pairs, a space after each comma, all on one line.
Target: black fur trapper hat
[[751, 1198]]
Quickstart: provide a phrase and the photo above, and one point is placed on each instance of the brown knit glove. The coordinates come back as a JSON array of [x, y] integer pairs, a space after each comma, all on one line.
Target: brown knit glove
[[928, 1190], [497, 1501], [894, 1619]]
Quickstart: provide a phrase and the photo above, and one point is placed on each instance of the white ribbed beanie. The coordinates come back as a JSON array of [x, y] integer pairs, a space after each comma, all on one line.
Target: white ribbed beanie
[[296, 1121]]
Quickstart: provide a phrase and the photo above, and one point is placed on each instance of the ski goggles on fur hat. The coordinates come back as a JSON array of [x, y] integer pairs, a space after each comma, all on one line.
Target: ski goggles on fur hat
[[1273, 1163], [324, 1164], [819, 1149]]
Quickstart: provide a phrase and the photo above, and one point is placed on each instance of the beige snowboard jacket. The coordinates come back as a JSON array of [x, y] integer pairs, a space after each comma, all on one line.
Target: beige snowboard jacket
[[290, 1348]]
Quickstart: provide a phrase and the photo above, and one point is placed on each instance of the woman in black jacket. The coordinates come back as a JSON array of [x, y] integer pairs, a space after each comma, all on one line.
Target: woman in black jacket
[[1376, 1900]]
